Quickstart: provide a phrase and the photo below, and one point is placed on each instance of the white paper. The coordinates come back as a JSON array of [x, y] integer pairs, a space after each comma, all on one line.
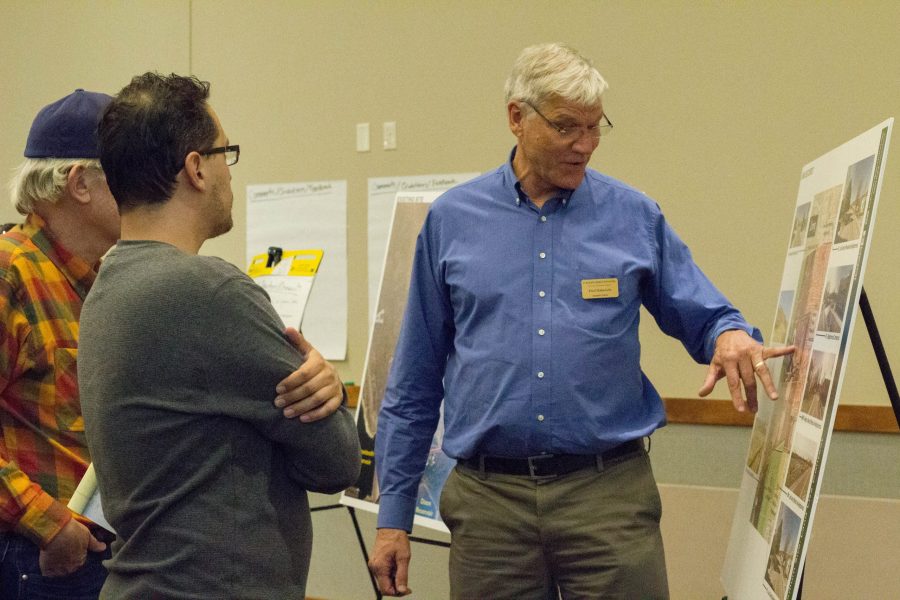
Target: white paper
[[289, 295], [86, 501], [382, 191], [308, 215]]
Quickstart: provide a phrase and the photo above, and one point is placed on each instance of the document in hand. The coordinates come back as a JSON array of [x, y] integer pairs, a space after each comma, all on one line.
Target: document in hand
[[86, 500]]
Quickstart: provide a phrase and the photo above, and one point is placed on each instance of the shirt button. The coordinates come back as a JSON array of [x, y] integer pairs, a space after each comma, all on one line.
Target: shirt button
[[540, 374], [542, 293], [543, 219], [24, 577], [540, 417], [543, 255], [541, 332]]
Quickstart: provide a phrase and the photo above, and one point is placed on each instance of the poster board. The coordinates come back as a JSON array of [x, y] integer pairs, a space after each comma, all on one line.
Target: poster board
[[308, 214], [815, 311], [410, 209]]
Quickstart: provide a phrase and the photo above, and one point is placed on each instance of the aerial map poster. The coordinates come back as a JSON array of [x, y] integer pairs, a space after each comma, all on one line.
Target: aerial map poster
[[410, 209], [815, 311]]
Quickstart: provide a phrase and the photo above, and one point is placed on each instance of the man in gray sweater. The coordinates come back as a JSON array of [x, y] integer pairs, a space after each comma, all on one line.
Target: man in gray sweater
[[202, 477]]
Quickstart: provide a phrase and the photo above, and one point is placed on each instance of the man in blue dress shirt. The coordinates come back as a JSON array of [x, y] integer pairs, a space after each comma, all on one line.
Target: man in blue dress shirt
[[523, 318]]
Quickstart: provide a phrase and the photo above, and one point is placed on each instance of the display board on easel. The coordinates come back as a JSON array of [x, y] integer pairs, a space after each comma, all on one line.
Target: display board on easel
[[815, 311], [410, 209]]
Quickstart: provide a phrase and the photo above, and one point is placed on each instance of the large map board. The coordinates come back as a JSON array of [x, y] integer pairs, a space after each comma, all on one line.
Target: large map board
[[815, 311], [410, 209]]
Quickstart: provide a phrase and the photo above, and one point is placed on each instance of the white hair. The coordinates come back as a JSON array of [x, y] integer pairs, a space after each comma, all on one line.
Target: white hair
[[43, 180], [553, 69]]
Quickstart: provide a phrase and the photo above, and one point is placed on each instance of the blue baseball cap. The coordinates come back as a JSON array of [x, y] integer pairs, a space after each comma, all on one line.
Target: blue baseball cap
[[68, 127]]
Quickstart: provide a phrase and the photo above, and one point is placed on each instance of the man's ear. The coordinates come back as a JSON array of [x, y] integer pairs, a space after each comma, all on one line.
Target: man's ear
[[193, 171], [76, 185], [515, 114]]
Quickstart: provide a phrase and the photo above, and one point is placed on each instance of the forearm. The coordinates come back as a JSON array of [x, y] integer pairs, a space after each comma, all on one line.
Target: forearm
[[324, 456], [401, 450], [27, 509]]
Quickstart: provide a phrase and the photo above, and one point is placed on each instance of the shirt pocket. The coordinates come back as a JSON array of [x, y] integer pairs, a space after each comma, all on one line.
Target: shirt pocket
[[601, 301], [67, 403]]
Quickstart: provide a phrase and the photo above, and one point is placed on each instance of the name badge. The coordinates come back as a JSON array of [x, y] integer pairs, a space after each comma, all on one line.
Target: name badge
[[599, 288]]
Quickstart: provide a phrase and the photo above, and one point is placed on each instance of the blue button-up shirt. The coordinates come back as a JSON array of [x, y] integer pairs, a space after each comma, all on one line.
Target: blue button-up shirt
[[506, 324]]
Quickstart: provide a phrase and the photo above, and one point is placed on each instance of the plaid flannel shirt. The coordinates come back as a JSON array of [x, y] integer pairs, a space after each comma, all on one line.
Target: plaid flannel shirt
[[43, 453]]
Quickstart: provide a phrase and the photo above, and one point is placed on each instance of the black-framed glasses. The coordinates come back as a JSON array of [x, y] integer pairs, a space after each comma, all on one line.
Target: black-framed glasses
[[232, 153], [570, 133]]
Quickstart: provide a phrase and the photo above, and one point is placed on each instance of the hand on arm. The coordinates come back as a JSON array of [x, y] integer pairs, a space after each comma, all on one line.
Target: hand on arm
[[740, 360], [390, 562], [314, 390], [68, 550]]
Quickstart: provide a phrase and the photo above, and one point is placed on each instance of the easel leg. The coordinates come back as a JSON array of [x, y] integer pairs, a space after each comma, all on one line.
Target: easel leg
[[880, 354], [365, 553]]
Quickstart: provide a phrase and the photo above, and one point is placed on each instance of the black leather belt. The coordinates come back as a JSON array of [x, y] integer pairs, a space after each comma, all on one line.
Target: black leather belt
[[550, 465]]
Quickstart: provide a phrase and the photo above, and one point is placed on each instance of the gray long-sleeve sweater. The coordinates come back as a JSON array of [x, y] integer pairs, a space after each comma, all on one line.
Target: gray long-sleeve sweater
[[201, 475]]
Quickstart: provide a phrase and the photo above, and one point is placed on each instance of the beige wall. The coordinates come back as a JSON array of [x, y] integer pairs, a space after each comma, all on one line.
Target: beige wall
[[717, 107]]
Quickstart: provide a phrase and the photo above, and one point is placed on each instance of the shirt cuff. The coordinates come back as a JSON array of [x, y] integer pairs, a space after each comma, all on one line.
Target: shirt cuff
[[396, 512], [43, 519]]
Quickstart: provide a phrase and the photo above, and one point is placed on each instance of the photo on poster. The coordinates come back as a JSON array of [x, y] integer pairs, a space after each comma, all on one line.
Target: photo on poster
[[801, 223], [757, 443], [854, 200], [782, 550], [773, 468], [774, 453], [803, 457], [834, 302], [818, 384], [759, 433], [824, 216], [782, 317]]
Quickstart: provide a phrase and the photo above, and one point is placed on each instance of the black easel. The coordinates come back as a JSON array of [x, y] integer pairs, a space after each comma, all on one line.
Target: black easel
[[880, 355]]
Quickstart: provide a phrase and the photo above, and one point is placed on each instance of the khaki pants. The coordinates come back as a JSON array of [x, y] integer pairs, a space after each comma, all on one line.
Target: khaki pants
[[587, 535]]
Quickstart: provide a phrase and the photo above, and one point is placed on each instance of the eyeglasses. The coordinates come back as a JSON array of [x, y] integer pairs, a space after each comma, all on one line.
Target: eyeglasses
[[232, 153], [571, 133]]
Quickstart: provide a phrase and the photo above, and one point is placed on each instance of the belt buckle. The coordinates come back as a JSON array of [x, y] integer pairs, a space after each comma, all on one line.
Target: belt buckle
[[533, 463]]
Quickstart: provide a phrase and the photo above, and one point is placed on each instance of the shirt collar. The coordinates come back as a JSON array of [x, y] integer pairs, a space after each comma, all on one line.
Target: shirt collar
[[77, 271], [518, 195]]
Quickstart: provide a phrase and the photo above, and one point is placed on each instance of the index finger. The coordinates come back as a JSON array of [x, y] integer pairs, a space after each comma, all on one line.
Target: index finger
[[763, 371], [296, 338]]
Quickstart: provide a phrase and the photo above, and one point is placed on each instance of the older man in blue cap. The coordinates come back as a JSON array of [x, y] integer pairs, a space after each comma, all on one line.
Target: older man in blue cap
[[47, 265]]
